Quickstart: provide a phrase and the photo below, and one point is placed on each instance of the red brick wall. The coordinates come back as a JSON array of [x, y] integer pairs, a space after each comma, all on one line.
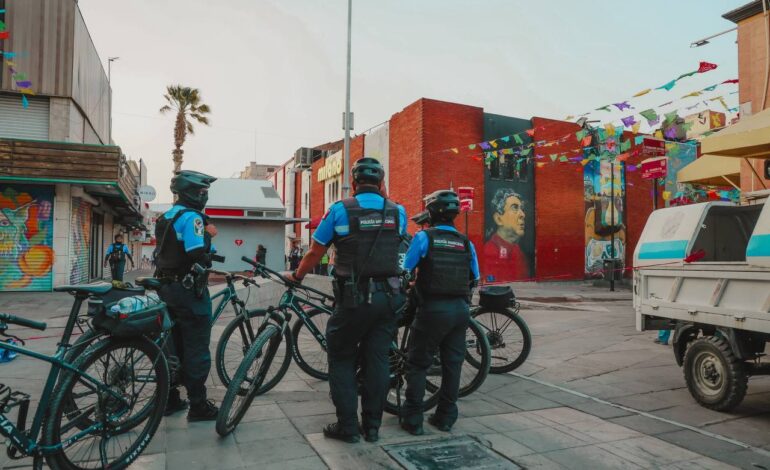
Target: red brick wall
[[406, 147], [297, 200], [446, 125], [559, 206], [317, 196]]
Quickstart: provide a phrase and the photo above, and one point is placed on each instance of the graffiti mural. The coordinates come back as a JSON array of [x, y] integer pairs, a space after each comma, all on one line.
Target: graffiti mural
[[80, 241], [26, 236], [598, 186], [509, 226]]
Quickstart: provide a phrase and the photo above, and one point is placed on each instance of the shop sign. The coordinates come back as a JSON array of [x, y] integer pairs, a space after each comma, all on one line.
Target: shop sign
[[655, 168], [465, 192], [332, 168], [466, 205], [654, 147]]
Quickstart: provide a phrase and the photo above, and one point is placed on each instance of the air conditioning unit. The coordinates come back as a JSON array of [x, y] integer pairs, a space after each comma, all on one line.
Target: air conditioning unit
[[303, 157]]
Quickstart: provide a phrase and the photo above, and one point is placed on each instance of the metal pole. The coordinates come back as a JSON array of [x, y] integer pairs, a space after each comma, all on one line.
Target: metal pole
[[346, 120], [466, 223], [612, 224], [654, 193], [109, 82]]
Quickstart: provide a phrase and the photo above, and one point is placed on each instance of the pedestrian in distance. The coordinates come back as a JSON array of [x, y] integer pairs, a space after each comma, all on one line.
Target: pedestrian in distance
[[116, 257], [447, 271], [366, 231], [184, 237], [261, 256]]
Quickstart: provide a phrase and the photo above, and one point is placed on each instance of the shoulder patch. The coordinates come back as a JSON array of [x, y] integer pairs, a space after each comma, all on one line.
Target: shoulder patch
[[198, 227]]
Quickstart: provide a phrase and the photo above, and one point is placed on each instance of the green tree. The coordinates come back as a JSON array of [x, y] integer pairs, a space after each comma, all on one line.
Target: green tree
[[186, 102]]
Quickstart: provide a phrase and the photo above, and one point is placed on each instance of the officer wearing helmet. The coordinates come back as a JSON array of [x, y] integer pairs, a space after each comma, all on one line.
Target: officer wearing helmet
[[447, 270], [366, 231], [184, 238]]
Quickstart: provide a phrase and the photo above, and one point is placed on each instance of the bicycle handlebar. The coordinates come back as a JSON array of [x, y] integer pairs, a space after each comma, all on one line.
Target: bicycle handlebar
[[283, 279], [13, 319]]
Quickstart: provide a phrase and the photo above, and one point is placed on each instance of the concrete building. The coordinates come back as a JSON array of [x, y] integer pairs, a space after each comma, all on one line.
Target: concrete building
[[256, 171], [64, 189], [754, 86]]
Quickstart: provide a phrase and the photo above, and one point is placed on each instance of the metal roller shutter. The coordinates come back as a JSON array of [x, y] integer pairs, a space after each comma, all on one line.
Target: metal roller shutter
[[24, 123], [26, 238], [80, 241]]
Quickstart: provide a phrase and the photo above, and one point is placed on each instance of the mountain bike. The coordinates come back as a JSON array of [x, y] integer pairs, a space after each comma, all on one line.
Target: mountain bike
[[304, 341], [114, 384], [507, 333]]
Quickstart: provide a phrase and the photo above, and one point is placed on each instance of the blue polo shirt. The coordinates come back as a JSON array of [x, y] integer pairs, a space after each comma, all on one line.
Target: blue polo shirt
[[335, 222], [111, 248], [189, 228], [419, 250]]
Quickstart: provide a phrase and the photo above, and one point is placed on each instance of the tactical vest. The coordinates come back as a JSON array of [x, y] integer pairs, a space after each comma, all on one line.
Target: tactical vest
[[370, 250], [446, 269], [171, 257], [117, 255]]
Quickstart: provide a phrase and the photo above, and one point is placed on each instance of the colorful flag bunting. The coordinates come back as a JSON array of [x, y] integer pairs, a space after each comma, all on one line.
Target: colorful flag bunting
[[610, 129], [685, 75], [694, 93], [628, 121], [24, 101], [639, 140], [635, 127], [670, 117], [530, 132], [642, 93], [625, 145], [485, 145], [4, 34], [623, 105], [586, 141], [472, 146], [603, 108], [733, 80], [526, 152], [706, 66], [670, 132], [24, 84], [517, 138], [711, 88], [579, 135], [668, 86], [540, 164], [563, 159], [455, 150], [506, 139]]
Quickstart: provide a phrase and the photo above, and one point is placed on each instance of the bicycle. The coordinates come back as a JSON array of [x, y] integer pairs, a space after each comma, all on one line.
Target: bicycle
[[108, 383], [312, 311], [497, 311]]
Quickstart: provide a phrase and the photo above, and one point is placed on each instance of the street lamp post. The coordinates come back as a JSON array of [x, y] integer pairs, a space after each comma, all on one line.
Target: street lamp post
[[109, 81], [347, 121]]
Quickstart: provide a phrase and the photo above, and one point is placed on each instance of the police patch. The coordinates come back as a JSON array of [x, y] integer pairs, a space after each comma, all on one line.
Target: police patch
[[198, 228]]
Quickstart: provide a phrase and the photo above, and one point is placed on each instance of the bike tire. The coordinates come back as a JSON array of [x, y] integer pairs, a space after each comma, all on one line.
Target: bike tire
[[500, 334], [398, 366], [313, 362], [477, 362], [231, 412], [149, 415], [231, 349]]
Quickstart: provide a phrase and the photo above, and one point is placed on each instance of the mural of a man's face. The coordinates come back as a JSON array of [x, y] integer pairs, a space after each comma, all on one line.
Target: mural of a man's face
[[510, 224]]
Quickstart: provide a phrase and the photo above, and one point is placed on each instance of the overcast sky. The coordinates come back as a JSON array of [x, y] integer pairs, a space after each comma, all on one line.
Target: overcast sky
[[273, 72]]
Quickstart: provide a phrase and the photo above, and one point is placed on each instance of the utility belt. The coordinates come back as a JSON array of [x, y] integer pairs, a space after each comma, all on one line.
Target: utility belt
[[195, 281], [350, 294]]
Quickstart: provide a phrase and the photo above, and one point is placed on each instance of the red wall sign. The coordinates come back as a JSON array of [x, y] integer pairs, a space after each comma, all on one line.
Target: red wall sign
[[466, 205], [654, 147], [465, 192], [655, 168]]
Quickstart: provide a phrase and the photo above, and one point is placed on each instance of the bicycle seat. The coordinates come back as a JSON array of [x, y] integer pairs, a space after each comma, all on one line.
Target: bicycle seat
[[149, 282], [94, 288]]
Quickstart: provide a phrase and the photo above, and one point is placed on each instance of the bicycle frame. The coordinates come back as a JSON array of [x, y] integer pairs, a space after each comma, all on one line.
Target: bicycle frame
[[28, 442], [291, 301], [227, 294]]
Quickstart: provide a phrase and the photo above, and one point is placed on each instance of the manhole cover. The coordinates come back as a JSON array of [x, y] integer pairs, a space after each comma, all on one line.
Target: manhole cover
[[459, 452]]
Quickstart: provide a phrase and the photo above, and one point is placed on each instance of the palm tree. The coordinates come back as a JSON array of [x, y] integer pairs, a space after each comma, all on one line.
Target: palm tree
[[186, 102]]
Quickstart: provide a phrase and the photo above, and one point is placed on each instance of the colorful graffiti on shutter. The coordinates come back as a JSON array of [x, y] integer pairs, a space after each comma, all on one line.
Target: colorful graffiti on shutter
[[599, 227], [26, 236], [80, 241]]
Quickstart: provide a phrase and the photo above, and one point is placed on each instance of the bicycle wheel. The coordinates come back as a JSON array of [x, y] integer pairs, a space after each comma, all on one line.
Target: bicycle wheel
[[308, 352], [398, 366], [234, 344], [135, 369], [247, 380], [509, 338], [478, 358]]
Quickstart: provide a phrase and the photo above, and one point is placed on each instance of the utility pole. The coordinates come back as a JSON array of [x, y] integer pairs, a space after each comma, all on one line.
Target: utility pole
[[612, 224], [347, 120], [109, 81]]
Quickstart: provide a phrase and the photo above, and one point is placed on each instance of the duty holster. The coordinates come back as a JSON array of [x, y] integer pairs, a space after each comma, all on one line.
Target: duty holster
[[347, 294], [199, 280]]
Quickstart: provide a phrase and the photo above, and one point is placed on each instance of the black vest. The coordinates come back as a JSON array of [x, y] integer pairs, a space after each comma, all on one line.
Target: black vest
[[446, 269], [117, 255], [370, 250], [171, 257]]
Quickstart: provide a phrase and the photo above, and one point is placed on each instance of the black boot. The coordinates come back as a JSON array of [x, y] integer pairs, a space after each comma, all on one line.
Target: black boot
[[175, 402], [334, 431], [203, 411], [413, 429], [370, 434], [436, 423]]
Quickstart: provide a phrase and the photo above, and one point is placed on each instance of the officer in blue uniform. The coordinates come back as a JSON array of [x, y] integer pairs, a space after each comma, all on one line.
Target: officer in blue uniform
[[184, 240], [366, 231], [447, 270], [116, 256]]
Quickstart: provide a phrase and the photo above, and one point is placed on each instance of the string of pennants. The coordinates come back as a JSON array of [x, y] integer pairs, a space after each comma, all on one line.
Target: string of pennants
[[23, 83]]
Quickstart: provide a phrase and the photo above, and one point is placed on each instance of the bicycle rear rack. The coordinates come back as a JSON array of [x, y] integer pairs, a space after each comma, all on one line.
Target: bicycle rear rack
[[9, 400]]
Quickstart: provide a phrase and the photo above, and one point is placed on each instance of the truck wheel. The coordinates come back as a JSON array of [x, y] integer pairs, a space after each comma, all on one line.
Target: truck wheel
[[715, 377]]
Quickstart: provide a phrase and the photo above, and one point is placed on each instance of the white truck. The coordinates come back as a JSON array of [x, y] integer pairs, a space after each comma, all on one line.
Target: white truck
[[703, 271]]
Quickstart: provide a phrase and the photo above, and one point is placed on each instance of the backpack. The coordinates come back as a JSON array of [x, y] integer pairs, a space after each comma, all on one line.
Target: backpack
[[117, 254]]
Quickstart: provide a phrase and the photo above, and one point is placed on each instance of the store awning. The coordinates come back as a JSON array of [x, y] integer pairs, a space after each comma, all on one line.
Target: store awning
[[313, 224], [748, 138], [712, 170]]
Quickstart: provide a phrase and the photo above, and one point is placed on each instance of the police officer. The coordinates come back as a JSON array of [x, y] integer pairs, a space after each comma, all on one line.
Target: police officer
[[116, 255], [447, 269], [366, 231], [184, 240]]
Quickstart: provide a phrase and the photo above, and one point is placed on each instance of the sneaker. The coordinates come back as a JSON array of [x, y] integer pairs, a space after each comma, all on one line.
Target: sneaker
[[175, 403], [204, 411], [370, 435], [333, 431], [413, 429], [436, 423]]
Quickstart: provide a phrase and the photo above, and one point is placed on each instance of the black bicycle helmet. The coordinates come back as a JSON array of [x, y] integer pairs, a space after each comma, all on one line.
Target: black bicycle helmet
[[368, 170], [442, 205], [191, 188]]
